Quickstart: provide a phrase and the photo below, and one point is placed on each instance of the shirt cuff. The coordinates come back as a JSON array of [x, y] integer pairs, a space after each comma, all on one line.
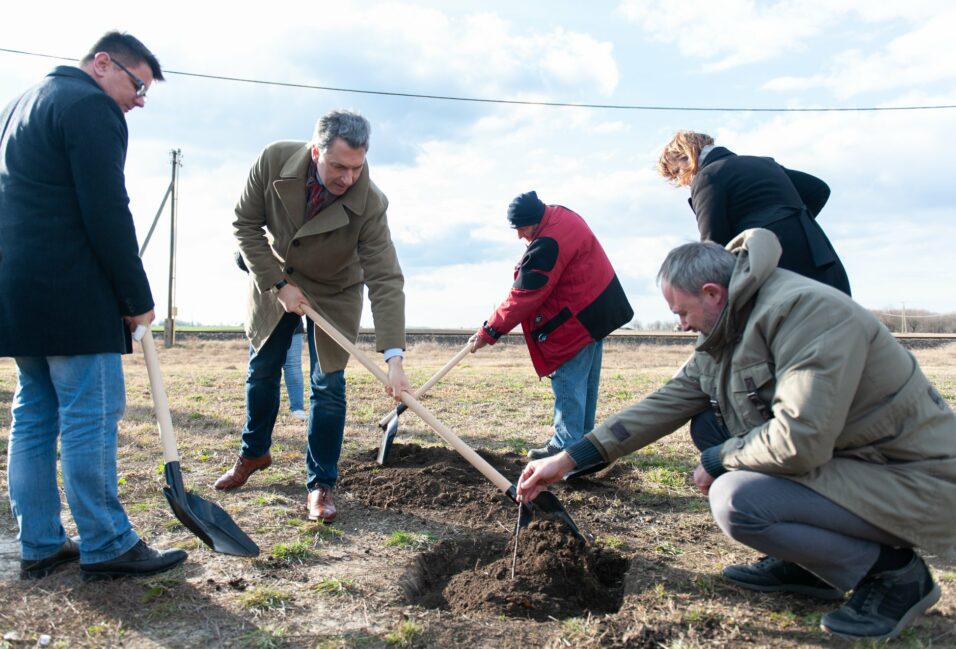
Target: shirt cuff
[[584, 453], [710, 460], [392, 352]]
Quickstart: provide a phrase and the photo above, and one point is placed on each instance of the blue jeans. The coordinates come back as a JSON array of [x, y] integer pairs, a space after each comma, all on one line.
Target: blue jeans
[[575, 386], [326, 409], [292, 372], [80, 400]]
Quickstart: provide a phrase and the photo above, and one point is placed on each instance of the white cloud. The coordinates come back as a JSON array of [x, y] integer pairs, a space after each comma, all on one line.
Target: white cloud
[[731, 33], [920, 58]]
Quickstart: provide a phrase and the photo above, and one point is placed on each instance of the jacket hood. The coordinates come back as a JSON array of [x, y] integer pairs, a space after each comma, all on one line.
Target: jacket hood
[[758, 252]]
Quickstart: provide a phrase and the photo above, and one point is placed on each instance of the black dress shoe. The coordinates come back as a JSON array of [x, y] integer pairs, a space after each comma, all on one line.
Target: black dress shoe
[[38, 568], [139, 561]]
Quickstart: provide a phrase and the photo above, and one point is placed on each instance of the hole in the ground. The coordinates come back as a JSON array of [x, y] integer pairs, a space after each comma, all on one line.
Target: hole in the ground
[[557, 575]]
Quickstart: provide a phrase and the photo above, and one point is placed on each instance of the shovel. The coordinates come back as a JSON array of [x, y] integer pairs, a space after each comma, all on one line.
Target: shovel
[[389, 423], [208, 521], [545, 502]]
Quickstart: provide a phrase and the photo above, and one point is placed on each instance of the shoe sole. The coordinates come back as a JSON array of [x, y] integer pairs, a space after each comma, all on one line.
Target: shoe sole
[[918, 609], [830, 595], [117, 574]]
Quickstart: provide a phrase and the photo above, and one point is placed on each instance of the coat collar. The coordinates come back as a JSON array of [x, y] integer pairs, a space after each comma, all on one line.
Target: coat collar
[[717, 153], [74, 72], [758, 252], [290, 187]]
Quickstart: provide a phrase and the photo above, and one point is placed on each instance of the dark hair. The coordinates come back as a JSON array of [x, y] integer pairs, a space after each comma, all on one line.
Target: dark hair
[[351, 127], [128, 50], [690, 266]]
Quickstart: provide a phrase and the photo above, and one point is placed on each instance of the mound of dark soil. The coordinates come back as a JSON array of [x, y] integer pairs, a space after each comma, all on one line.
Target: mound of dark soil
[[557, 575], [430, 480]]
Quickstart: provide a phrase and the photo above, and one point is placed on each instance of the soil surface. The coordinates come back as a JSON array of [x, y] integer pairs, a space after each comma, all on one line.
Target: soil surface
[[558, 574]]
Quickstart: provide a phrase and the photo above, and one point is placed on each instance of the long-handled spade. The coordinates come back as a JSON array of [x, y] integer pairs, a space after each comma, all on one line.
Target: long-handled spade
[[545, 502], [208, 521], [389, 423]]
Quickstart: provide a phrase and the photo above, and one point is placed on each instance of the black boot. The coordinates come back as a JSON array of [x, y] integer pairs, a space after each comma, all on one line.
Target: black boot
[[772, 575], [885, 603], [38, 568], [138, 561]]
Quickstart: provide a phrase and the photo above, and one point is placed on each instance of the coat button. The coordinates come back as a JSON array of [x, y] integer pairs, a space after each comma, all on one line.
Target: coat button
[[542, 337], [296, 243], [739, 443], [289, 270]]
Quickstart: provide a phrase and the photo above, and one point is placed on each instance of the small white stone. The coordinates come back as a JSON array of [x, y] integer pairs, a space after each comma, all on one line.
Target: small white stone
[[44, 640]]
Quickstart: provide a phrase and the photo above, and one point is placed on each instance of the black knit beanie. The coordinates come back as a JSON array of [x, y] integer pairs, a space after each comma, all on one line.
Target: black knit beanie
[[527, 209]]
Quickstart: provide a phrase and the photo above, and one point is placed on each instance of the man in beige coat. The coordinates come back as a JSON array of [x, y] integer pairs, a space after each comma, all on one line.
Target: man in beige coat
[[836, 456], [312, 229]]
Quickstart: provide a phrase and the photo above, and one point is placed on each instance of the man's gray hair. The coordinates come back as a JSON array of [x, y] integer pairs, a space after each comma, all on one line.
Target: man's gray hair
[[690, 266], [351, 127]]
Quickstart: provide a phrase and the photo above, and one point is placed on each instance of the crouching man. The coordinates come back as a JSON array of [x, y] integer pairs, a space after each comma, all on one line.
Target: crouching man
[[829, 450]]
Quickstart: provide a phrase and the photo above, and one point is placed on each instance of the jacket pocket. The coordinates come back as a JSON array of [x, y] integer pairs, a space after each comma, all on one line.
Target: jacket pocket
[[753, 387], [541, 333]]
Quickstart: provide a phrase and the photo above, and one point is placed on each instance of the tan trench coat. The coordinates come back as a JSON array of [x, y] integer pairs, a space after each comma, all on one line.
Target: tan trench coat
[[345, 247], [853, 416]]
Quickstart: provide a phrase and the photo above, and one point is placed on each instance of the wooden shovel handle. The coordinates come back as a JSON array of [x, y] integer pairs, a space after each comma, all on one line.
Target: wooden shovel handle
[[429, 383], [413, 404], [161, 404]]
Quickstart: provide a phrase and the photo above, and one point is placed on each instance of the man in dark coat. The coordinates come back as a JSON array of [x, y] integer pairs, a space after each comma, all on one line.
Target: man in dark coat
[[72, 288]]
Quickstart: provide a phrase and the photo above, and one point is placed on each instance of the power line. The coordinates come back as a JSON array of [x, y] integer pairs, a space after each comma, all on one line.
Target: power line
[[520, 102]]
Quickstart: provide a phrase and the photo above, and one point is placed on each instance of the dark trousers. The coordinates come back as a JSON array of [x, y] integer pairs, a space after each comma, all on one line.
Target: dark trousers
[[327, 404]]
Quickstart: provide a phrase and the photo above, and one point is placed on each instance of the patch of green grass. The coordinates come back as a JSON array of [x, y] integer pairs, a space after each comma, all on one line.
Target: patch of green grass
[[405, 634], [576, 630], [667, 478], [296, 522], [334, 587], [409, 540], [706, 584], [264, 638], [295, 551], [611, 542], [324, 532], [785, 618], [267, 499], [159, 586], [668, 549], [263, 599], [517, 445]]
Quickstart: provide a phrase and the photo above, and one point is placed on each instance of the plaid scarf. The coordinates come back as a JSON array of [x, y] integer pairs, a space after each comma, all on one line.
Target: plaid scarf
[[317, 197]]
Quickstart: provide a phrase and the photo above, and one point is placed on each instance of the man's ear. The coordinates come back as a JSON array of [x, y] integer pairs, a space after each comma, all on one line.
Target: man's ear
[[714, 293]]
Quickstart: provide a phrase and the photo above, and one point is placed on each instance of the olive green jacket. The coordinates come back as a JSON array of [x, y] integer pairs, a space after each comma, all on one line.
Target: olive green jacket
[[838, 404], [345, 247]]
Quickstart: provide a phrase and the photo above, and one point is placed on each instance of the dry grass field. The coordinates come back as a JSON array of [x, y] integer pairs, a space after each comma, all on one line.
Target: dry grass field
[[346, 584]]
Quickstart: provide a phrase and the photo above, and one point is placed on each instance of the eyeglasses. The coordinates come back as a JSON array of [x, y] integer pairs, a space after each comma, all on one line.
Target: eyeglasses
[[137, 82]]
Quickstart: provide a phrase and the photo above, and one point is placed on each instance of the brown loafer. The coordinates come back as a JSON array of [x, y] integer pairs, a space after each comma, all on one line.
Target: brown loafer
[[321, 507], [238, 474]]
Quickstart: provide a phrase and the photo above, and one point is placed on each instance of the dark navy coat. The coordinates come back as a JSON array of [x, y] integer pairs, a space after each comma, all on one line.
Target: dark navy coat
[[69, 264], [731, 193]]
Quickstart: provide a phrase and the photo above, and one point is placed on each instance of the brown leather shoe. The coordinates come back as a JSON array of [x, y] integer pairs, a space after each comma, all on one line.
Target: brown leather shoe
[[321, 507], [244, 467]]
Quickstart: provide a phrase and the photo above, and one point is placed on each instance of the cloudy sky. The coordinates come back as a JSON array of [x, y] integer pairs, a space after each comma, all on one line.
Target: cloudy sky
[[450, 168]]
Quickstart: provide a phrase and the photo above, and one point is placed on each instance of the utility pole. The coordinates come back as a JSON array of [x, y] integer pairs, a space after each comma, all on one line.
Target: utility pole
[[903, 318], [169, 338]]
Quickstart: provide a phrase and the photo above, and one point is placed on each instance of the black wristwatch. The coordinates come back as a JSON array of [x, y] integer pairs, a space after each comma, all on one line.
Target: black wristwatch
[[280, 284]]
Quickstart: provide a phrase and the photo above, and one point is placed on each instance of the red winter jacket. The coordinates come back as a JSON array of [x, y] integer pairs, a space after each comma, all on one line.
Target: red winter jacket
[[566, 294]]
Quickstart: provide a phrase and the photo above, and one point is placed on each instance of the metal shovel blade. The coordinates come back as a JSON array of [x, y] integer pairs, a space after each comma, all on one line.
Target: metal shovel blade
[[546, 503], [207, 520], [389, 431]]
